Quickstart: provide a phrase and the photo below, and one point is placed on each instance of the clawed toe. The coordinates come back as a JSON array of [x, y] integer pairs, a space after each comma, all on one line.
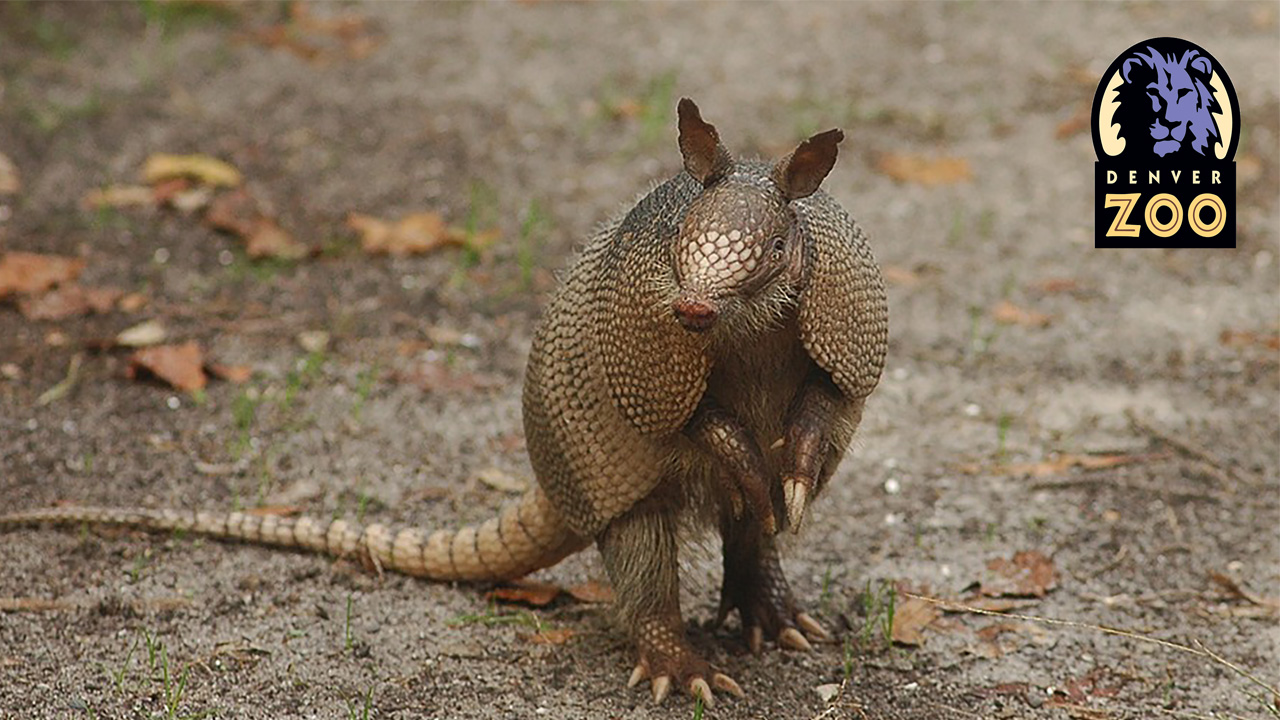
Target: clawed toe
[[792, 638], [724, 683], [812, 627], [696, 684]]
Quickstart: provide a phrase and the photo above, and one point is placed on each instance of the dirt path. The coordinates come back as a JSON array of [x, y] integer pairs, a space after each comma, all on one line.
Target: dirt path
[[539, 120]]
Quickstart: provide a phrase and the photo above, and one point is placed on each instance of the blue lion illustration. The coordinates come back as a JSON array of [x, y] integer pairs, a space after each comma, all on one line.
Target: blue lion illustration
[[1169, 98]]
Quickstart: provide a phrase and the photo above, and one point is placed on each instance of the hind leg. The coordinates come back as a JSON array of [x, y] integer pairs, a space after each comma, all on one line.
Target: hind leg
[[755, 586], [640, 556]]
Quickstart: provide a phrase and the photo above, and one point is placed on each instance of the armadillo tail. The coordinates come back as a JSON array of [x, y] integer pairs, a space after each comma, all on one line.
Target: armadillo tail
[[525, 536]]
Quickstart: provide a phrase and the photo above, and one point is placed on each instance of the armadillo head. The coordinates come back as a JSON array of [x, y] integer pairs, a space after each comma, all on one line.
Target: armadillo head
[[739, 256]]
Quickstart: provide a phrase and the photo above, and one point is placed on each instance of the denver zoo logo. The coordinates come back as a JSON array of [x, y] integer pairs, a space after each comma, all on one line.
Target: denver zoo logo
[[1166, 124]]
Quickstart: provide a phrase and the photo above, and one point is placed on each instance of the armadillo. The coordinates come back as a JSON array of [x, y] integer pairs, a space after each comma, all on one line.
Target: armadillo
[[703, 364]]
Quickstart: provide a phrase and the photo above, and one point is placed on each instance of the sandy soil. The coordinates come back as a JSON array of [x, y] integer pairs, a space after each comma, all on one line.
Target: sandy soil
[[496, 112]]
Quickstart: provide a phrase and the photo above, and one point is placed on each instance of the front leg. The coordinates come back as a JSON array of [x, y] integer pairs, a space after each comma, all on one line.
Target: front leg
[[743, 475], [818, 429], [755, 586], [640, 556]]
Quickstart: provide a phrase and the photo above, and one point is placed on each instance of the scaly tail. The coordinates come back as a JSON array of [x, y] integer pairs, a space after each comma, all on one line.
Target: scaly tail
[[527, 535]]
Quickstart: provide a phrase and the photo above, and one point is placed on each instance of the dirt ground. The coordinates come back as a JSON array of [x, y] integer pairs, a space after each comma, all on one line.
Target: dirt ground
[[1157, 368]]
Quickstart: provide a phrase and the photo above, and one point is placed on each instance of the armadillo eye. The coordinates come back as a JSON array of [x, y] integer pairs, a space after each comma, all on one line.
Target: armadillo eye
[[779, 249]]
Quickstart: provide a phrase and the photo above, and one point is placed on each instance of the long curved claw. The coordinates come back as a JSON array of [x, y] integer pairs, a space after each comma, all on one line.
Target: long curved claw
[[795, 491], [755, 639], [700, 689], [661, 688], [792, 638], [724, 683], [812, 627], [640, 673]]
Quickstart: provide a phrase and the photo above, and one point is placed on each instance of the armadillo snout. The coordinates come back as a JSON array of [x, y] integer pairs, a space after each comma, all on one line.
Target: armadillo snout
[[695, 315]]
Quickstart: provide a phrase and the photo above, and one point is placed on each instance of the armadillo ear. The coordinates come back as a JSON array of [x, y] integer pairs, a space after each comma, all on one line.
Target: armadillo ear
[[799, 174], [704, 157]]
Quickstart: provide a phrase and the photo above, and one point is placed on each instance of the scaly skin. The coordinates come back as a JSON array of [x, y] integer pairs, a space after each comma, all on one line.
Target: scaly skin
[[704, 363]]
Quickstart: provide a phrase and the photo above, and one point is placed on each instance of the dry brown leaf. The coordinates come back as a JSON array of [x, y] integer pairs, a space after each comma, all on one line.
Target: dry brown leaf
[[1006, 313], [525, 592], [133, 302], [417, 233], [236, 212], [591, 592], [1079, 121], [897, 275], [317, 39], [24, 272], [434, 377], [1029, 573], [119, 196], [181, 366], [275, 510], [910, 618], [1056, 285], [552, 636], [33, 604], [68, 301], [269, 240], [912, 168], [1060, 464], [499, 479], [231, 373], [202, 168], [1248, 338], [10, 182]]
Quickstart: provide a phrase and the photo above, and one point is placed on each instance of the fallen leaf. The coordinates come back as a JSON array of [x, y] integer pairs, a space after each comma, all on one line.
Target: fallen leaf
[[10, 183], [68, 301], [203, 168], [1056, 285], [231, 373], [1079, 121], [1248, 338], [24, 272], [907, 167], [182, 366], [1029, 573], [236, 212], [1004, 637], [132, 302], [591, 592], [897, 275], [267, 239], [31, 604], [275, 510], [552, 636], [150, 332], [317, 39], [1060, 464], [1006, 313], [119, 196], [910, 618], [501, 480], [416, 233], [436, 377], [525, 592]]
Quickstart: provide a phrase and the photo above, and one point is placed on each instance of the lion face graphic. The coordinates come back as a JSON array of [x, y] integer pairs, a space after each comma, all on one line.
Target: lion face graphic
[[1170, 100]]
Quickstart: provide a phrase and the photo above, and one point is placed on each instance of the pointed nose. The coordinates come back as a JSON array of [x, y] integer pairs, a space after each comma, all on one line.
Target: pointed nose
[[695, 315]]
